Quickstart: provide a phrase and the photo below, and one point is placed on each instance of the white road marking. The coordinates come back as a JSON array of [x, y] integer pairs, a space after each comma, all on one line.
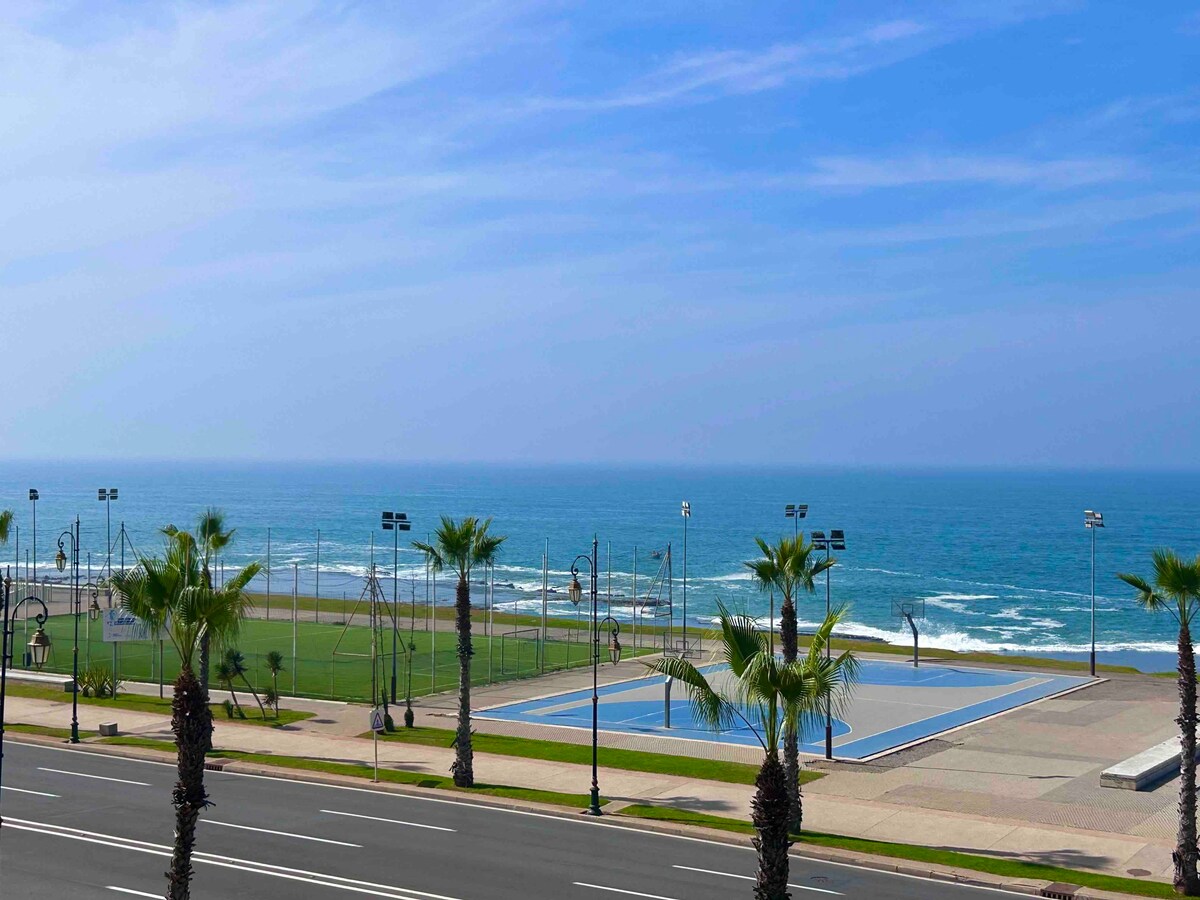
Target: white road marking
[[24, 791], [97, 777], [302, 837], [334, 812], [316, 878], [601, 887], [799, 887], [585, 821], [121, 890]]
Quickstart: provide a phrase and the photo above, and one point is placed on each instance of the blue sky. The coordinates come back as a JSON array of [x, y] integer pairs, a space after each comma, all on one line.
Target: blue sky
[[703, 232]]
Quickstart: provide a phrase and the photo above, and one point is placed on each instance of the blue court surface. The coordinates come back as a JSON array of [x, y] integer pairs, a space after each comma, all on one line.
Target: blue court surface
[[893, 705]]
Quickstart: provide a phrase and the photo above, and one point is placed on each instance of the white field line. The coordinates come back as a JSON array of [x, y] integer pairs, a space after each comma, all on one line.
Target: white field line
[[131, 891]]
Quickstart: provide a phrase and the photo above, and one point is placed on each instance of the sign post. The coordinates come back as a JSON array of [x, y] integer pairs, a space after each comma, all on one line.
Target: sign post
[[378, 724]]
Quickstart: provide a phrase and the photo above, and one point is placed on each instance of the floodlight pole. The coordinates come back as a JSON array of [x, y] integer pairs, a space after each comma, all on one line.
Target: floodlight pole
[[396, 522], [1091, 521], [835, 540], [685, 510]]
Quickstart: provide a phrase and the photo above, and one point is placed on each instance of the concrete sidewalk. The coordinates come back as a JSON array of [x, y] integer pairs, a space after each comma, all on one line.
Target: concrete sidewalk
[[828, 806]]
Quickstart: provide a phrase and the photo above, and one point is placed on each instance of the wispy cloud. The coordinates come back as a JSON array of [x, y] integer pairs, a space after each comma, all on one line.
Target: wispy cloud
[[836, 54]]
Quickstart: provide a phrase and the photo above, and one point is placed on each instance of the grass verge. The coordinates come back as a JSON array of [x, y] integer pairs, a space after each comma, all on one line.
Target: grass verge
[[47, 731], [158, 705], [1006, 868], [613, 758]]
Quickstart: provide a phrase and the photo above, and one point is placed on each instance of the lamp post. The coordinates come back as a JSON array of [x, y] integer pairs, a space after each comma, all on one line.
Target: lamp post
[[396, 522], [685, 510], [107, 496], [60, 562], [835, 541], [575, 593], [38, 646], [1091, 521]]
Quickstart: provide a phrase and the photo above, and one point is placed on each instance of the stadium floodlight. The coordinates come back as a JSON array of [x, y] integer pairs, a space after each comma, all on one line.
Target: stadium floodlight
[[835, 541], [1091, 521]]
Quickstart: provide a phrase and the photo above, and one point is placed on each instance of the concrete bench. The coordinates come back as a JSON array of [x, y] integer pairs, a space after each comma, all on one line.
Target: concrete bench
[[1146, 769], [44, 678]]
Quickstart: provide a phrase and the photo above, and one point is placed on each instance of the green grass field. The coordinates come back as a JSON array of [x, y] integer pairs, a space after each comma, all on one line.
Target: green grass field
[[318, 671]]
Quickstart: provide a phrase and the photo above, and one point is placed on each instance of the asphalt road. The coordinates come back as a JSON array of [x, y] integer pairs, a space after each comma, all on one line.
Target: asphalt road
[[84, 826]]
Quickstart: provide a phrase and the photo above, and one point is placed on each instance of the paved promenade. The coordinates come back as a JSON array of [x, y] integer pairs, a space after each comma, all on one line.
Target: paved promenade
[[1023, 785]]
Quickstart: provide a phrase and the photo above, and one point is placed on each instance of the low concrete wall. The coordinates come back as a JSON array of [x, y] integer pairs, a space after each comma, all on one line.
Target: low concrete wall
[[1146, 769]]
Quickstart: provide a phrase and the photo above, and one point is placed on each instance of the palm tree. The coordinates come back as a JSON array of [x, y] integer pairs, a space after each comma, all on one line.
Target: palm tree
[[171, 597], [461, 546], [6, 521], [274, 661], [236, 661], [773, 699], [225, 677], [1176, 590], [204, 545], [788, 567]]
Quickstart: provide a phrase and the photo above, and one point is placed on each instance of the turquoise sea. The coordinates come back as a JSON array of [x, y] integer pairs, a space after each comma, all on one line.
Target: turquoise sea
[[1001, 558]]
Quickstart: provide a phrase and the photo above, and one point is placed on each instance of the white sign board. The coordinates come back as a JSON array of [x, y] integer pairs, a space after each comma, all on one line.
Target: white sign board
[[120, 626], [377, 720]]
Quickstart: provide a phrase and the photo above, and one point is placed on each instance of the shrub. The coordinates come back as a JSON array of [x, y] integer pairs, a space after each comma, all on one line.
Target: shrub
[[227, 705]]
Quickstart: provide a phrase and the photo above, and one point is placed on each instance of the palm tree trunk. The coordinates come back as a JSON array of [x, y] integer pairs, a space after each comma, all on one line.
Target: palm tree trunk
[[253, 693], [769, 812], [191, 721], [791, 742], [464, 761], [1186, 880]]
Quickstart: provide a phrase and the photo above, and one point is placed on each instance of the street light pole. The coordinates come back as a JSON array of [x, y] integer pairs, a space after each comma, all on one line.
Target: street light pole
[[60, 562], [38, 647], [614, 648], [1091, 521], [835, 541]]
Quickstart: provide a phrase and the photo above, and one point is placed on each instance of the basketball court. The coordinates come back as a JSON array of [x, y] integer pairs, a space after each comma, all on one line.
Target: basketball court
[[894, 704]]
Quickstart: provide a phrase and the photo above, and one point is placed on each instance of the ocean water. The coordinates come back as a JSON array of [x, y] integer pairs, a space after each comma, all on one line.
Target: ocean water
[[1001, 558]]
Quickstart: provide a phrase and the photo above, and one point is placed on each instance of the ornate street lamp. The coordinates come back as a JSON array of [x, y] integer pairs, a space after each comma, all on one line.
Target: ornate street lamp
[[575, 593], [60, 560], [38, 646]]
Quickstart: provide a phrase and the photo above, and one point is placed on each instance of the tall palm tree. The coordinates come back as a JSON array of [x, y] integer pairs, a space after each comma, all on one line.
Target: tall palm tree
[[204, 544], [461, 546], [773, 699], [171, 597], [6, 521], [789, 567], [1176, 590]]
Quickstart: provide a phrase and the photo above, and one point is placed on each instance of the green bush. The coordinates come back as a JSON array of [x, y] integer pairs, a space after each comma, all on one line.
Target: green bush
[[227, 705], [97, 681]]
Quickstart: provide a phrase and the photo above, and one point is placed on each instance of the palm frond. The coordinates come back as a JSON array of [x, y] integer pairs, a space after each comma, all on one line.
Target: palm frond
[[6, 521], [709, 707]]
